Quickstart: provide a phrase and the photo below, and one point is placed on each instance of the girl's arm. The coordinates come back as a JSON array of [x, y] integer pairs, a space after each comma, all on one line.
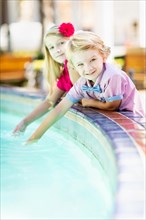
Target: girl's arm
[[73, 74], [110, 106], [53, 116], [40, 110]]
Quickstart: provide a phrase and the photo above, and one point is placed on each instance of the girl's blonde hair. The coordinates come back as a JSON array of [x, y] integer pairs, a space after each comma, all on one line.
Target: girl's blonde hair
[[83, 40], [52, 69]]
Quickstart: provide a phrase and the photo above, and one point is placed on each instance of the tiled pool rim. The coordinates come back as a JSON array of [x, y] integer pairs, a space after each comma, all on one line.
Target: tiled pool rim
[[122, 135]]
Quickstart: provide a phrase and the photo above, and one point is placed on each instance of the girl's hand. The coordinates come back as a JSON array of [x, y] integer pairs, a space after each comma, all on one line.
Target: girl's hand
[[20, 127]]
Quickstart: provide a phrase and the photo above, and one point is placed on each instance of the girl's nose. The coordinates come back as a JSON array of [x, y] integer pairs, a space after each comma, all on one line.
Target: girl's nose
[[58, 50]]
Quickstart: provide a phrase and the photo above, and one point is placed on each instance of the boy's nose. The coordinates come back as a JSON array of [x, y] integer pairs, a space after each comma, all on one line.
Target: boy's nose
[[87, 68]]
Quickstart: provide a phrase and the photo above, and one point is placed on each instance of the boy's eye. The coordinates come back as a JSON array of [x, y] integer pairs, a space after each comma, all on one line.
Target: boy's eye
[[93, 60], [80, 64]]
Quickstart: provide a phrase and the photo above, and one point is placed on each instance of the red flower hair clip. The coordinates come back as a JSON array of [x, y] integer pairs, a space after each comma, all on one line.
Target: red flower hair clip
[[66, 29]]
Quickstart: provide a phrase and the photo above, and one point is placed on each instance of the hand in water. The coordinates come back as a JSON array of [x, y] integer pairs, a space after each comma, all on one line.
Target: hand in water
[[19, 128], [29, 142]]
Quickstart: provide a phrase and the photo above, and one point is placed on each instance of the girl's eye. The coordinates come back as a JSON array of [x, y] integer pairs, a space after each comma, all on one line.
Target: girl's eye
[[62, 42], [51, 48]]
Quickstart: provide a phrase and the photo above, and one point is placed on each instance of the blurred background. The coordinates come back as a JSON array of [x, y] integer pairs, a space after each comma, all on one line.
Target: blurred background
[[23, 23]]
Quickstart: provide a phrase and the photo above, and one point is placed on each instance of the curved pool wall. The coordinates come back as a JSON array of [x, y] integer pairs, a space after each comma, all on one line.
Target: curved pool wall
[[121, 148]]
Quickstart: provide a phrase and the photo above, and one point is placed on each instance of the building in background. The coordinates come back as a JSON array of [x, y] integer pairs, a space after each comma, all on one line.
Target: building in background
[[121, 24]]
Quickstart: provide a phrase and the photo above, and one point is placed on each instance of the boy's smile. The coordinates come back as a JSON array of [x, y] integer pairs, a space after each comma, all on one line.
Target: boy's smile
[[88, 63]]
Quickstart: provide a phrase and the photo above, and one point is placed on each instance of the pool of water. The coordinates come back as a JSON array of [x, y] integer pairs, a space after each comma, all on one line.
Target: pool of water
[[56, 178]]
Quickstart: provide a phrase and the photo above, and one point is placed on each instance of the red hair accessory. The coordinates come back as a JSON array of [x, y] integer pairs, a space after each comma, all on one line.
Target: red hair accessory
[[67, 29]]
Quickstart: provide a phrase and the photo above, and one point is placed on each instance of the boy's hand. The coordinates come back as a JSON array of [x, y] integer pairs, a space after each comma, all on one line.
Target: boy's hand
[[29, 142], [86, 102]]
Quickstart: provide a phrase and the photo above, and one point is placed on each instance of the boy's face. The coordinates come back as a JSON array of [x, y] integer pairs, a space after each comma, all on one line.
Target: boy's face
[[56, 46], [88, 63]]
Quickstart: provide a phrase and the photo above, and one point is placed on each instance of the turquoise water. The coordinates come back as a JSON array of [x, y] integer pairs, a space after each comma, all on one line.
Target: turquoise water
[[56, 178]]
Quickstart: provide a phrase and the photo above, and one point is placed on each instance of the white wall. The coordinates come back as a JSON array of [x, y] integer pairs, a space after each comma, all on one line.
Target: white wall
[[125, 14]]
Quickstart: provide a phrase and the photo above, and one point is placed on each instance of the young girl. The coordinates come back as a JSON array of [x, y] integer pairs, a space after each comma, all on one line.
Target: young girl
[[56, 71], [110, 87]]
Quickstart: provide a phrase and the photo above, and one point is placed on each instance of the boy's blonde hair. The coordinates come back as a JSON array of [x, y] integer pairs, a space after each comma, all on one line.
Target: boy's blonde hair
[[52, 69], [84, 40]]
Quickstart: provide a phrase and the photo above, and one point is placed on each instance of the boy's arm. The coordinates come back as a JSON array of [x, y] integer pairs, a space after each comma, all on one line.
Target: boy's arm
[[53, 116], [110, 106]]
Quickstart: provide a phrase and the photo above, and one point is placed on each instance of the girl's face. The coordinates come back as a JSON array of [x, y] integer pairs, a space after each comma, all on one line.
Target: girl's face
[[56, 46], [88, 63]]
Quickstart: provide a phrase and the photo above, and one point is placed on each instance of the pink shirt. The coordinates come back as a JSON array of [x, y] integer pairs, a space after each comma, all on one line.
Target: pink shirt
[[112, 84], [64, 83]]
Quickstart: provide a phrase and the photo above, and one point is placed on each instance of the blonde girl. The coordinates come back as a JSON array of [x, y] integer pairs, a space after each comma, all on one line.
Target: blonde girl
[[56, 71], [55, 60]]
